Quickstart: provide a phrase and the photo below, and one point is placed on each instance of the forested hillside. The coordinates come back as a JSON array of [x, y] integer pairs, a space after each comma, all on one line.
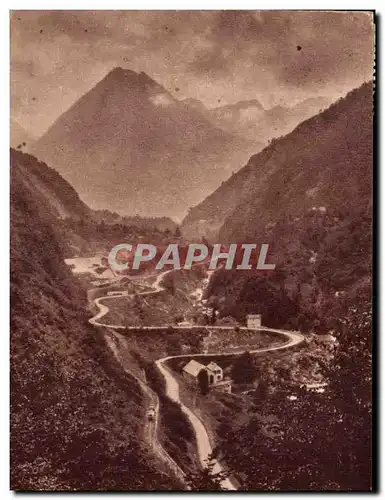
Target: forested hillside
[[299, 440], [76, 421], [309, 196], [325, 162]]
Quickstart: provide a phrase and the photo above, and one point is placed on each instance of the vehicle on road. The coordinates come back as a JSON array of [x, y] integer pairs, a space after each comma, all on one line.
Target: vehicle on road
[[184, 323], [151, 414]]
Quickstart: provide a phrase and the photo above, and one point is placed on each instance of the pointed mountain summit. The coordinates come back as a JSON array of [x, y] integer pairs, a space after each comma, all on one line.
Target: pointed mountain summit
[[129, 146], [128, 79]]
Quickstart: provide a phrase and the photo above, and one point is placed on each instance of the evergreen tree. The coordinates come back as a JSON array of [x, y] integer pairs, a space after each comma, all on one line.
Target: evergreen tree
[[203, 382]]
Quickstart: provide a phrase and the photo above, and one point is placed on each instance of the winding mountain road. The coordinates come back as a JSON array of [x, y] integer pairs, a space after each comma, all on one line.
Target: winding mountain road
[[204, 447], [118, 345]]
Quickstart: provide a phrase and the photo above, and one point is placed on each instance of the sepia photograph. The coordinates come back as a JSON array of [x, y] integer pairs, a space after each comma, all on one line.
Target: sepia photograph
[[191, 247]]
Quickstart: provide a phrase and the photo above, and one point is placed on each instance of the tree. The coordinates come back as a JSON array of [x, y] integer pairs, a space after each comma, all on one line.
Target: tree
[[138, 307], [213, 303], [244, 370], [206, 479], [169, 283], [173, 342], [262, 391], [203, 382]]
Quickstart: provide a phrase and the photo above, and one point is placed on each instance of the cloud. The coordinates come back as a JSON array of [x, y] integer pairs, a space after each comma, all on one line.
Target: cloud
[[297, 48], [162, 100], [218, 57]]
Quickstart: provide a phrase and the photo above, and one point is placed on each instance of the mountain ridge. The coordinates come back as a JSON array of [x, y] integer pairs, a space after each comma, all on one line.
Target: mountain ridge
[[39, 178], [308, 196], [249, 119], [76, 417], [266, 170]]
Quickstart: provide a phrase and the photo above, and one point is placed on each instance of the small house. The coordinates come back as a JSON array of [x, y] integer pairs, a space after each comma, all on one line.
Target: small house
[[215, 374], [191, 370], [253, 321]]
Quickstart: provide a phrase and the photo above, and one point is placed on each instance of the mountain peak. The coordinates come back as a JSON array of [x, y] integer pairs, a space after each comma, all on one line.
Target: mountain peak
[[124, 126], [127, 77], [119, 73], [117, 70]]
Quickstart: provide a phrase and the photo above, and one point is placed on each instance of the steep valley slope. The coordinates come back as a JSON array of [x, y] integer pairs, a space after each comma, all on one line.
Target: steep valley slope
[[76, 418], [309, 195]]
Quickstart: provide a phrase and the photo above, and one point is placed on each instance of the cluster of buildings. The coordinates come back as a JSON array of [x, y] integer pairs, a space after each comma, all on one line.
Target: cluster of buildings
[[214, 373]]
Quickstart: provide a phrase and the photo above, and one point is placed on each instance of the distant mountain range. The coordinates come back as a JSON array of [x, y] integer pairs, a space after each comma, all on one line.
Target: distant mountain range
[[250, 120], [146, 223], [325, 161], [129, 146]]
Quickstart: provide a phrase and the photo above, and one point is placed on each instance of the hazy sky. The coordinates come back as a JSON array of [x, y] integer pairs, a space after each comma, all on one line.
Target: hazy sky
[[219, 57]]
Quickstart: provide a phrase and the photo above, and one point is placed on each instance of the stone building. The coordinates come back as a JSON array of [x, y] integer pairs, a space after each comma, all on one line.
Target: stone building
[[254, 321], [215, 375]]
